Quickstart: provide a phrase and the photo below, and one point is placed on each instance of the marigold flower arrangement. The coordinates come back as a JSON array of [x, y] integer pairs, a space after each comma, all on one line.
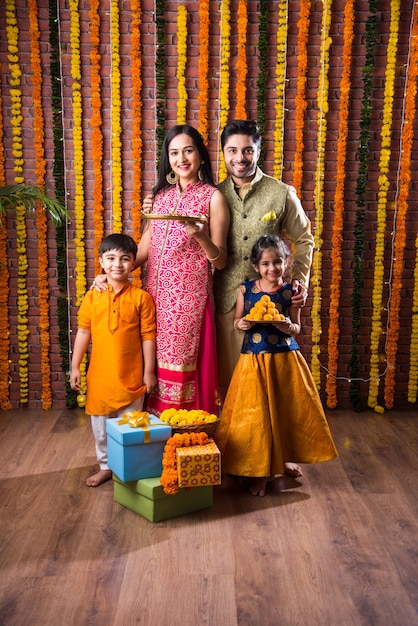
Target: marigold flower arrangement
[[404, 181], [78, 147], [280, 88], [169, 476], [12, 32], [5, 404], [361, 188], [116, 118], [203, 65], [413, 369], [300, 99], [322, 100], [242, 64], [339, 206], [41, 219], [136, 61], [385, 152], [181, 63], [224, 76], [182, 417], [96, 122]]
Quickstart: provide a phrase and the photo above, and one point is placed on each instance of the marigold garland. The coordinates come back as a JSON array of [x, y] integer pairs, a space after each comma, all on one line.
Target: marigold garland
[[160, 73], [5, 404], [203, 67], [321, 141], [41, 218], [181, 63], [337, 231], [80, 266], [136, 122], [280, 89], [17, 151], [81, 281], [379, 259], [169, 476], [300, 99], [224, 77], [241, 65], [401, 211], [96, 134], [359, 230], [116, 120], [59, 179], [262, 70], [413, 360]]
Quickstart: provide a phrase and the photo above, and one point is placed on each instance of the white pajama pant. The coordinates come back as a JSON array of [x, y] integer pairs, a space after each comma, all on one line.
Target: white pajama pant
[[98, 425]]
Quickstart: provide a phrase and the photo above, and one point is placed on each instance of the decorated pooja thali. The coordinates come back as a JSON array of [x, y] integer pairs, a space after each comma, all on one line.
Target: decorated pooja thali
[[180, 218]]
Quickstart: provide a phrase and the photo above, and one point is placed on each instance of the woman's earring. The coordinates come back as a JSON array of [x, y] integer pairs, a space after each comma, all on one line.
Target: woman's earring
[[172, 178], [199, 173]]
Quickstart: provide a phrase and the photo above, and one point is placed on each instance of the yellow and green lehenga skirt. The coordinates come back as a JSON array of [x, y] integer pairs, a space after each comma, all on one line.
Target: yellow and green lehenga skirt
[[272, 415]]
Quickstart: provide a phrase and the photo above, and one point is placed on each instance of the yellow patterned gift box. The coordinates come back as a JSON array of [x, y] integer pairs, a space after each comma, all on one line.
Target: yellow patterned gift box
[[199, 465]]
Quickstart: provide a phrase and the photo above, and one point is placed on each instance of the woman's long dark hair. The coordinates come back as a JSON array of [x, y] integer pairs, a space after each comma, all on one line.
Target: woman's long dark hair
[[197, 140]]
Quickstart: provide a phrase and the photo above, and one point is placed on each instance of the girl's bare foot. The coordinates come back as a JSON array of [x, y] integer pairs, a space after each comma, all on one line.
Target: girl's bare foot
[[99, 478], [258, 486], [292, 469]]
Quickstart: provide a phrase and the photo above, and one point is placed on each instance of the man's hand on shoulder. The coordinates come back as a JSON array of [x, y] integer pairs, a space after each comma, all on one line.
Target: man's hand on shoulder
[[99, 283], [300, 294]]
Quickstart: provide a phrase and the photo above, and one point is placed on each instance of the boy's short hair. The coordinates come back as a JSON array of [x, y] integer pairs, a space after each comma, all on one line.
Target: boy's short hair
[[118, 242]]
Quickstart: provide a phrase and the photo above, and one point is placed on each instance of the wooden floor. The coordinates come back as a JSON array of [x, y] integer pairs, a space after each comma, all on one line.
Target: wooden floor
[[338, 547]]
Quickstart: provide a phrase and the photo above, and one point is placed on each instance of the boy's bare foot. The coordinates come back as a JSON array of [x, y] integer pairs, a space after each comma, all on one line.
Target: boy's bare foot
[[99, 478], [292, 469], [258, 486]]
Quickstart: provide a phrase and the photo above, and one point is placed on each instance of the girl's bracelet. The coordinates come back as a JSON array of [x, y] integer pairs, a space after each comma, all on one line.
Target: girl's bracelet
[[215, 258]]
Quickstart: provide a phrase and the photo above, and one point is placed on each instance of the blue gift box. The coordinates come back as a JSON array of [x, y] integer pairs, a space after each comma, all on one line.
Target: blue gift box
[[128, 454]]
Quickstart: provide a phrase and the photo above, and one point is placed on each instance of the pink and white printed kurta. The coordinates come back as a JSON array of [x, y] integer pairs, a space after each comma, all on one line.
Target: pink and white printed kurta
[[179, 278]]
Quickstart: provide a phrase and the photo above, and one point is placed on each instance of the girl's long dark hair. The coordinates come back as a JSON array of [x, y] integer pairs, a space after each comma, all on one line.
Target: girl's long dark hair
[[264, 243], [197, 140]]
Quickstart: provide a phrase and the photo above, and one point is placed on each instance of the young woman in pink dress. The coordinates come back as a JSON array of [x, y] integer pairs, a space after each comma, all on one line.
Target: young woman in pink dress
[[180, 257]]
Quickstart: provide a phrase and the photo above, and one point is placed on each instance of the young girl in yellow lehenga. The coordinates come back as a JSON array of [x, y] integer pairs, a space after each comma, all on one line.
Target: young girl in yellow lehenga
[[272, 417]]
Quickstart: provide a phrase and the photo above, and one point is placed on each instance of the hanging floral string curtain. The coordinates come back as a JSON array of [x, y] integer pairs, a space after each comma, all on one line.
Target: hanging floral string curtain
[[339, 206], [106, 145], [384, 162]]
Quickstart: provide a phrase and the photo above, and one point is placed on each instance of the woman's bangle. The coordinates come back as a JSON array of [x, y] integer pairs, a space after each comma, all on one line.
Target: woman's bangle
[[215, 258]]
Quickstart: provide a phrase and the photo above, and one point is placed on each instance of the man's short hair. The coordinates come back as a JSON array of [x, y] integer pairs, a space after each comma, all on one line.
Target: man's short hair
[[241, 127]]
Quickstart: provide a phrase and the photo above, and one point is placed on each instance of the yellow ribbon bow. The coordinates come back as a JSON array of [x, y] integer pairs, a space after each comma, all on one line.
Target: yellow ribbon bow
[[137, 419]]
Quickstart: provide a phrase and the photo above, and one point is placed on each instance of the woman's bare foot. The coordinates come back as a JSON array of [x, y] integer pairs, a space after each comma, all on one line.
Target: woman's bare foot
[[258, 486], [292, 469], [99, 478]]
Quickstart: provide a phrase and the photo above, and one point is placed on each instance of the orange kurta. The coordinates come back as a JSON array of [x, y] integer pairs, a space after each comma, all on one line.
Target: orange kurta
[[119, 323]]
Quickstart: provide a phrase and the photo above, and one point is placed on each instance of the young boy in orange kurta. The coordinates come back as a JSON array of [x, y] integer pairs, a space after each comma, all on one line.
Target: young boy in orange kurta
[[120, 322]]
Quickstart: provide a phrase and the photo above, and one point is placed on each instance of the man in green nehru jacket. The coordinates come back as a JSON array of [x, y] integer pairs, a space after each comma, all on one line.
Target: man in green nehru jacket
[[258, 204]]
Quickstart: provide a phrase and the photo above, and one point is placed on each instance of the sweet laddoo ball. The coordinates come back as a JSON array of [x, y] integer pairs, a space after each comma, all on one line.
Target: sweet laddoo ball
[[264, 310]]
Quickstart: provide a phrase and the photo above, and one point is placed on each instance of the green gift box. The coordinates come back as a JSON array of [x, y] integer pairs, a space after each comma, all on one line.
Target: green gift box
[[147, 498]]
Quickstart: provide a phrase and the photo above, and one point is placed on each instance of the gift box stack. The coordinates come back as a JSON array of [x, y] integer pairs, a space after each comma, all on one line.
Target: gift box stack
[[135, 456]]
